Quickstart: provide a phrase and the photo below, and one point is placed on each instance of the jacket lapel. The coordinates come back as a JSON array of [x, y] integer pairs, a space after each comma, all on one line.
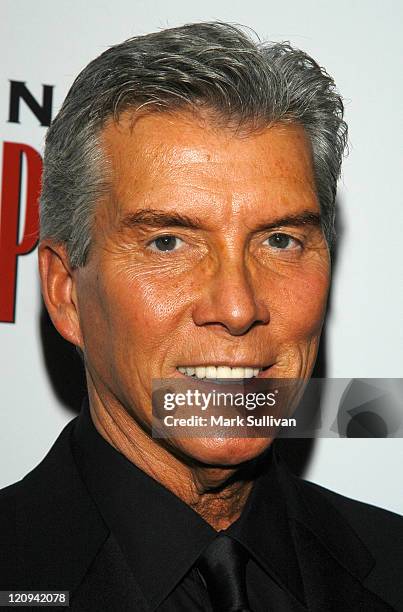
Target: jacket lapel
[[65, 545], [333, 560], [327, 584], [108, 584]]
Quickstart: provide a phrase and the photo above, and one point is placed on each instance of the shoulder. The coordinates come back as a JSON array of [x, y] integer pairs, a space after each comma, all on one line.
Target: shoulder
[[8, 502], [379, 527], [9, 561], [51, 470], [30, 508], [379, 530]]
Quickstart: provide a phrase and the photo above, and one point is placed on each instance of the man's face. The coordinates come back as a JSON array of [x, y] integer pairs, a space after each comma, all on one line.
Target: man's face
[[200, 257]]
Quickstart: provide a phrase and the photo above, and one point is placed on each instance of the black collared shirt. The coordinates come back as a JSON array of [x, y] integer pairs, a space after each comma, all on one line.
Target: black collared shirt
[[162, 537]]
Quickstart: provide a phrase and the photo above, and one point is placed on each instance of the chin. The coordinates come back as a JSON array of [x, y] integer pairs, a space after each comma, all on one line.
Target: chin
[[222, 452]]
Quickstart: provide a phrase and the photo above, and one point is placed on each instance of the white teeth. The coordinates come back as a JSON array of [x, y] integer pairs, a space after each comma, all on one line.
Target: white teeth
[[212, 371], [238, 372]]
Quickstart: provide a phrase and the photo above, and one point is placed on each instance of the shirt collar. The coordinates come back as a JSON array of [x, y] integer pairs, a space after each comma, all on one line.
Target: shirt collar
[[161, 535], [264, 529]]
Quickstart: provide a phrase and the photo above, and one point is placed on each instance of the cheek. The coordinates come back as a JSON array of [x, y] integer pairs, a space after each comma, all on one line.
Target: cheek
[[299, 303], [143, 306]]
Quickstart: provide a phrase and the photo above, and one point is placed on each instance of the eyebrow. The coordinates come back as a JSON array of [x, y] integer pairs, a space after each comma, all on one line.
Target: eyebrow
[[304, 218], [159, 218]]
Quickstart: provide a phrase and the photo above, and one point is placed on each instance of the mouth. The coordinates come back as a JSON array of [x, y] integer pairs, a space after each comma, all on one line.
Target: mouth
[[214, 372]]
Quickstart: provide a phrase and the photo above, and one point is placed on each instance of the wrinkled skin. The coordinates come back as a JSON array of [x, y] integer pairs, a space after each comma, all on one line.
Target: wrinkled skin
[[226, 292]]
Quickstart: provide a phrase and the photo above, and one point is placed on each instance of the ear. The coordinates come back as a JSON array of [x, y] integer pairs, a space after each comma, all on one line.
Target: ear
[[59, 290]]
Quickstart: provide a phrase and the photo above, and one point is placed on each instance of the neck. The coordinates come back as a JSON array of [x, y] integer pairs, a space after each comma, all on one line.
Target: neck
[[217, 494]]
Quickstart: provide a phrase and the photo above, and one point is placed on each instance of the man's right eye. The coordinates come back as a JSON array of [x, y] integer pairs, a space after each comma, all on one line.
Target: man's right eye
[[165, 243]]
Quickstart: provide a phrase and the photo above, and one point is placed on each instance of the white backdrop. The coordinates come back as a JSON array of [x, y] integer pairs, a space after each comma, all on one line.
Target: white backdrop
[[360, 44]]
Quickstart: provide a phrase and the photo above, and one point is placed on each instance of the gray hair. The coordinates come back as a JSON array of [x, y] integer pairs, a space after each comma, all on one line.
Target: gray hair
[[210, 65]]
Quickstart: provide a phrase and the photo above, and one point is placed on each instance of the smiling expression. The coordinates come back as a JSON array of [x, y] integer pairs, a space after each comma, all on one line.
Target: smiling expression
[[208, 251]]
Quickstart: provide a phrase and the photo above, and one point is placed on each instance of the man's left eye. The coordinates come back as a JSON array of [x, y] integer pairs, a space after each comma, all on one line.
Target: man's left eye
[[166, 243], [283, 241]]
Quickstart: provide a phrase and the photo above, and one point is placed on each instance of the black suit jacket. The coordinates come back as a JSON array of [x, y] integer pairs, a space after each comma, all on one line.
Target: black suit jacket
[[52, 537]]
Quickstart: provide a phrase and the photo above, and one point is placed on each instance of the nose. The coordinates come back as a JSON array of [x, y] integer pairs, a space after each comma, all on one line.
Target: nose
[[230, 299]]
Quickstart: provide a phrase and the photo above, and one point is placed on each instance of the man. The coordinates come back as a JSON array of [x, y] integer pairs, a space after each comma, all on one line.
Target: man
[[187, 221]]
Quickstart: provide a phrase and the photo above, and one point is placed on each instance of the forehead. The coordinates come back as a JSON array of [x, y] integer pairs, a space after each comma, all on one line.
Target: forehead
[[159, 153]]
